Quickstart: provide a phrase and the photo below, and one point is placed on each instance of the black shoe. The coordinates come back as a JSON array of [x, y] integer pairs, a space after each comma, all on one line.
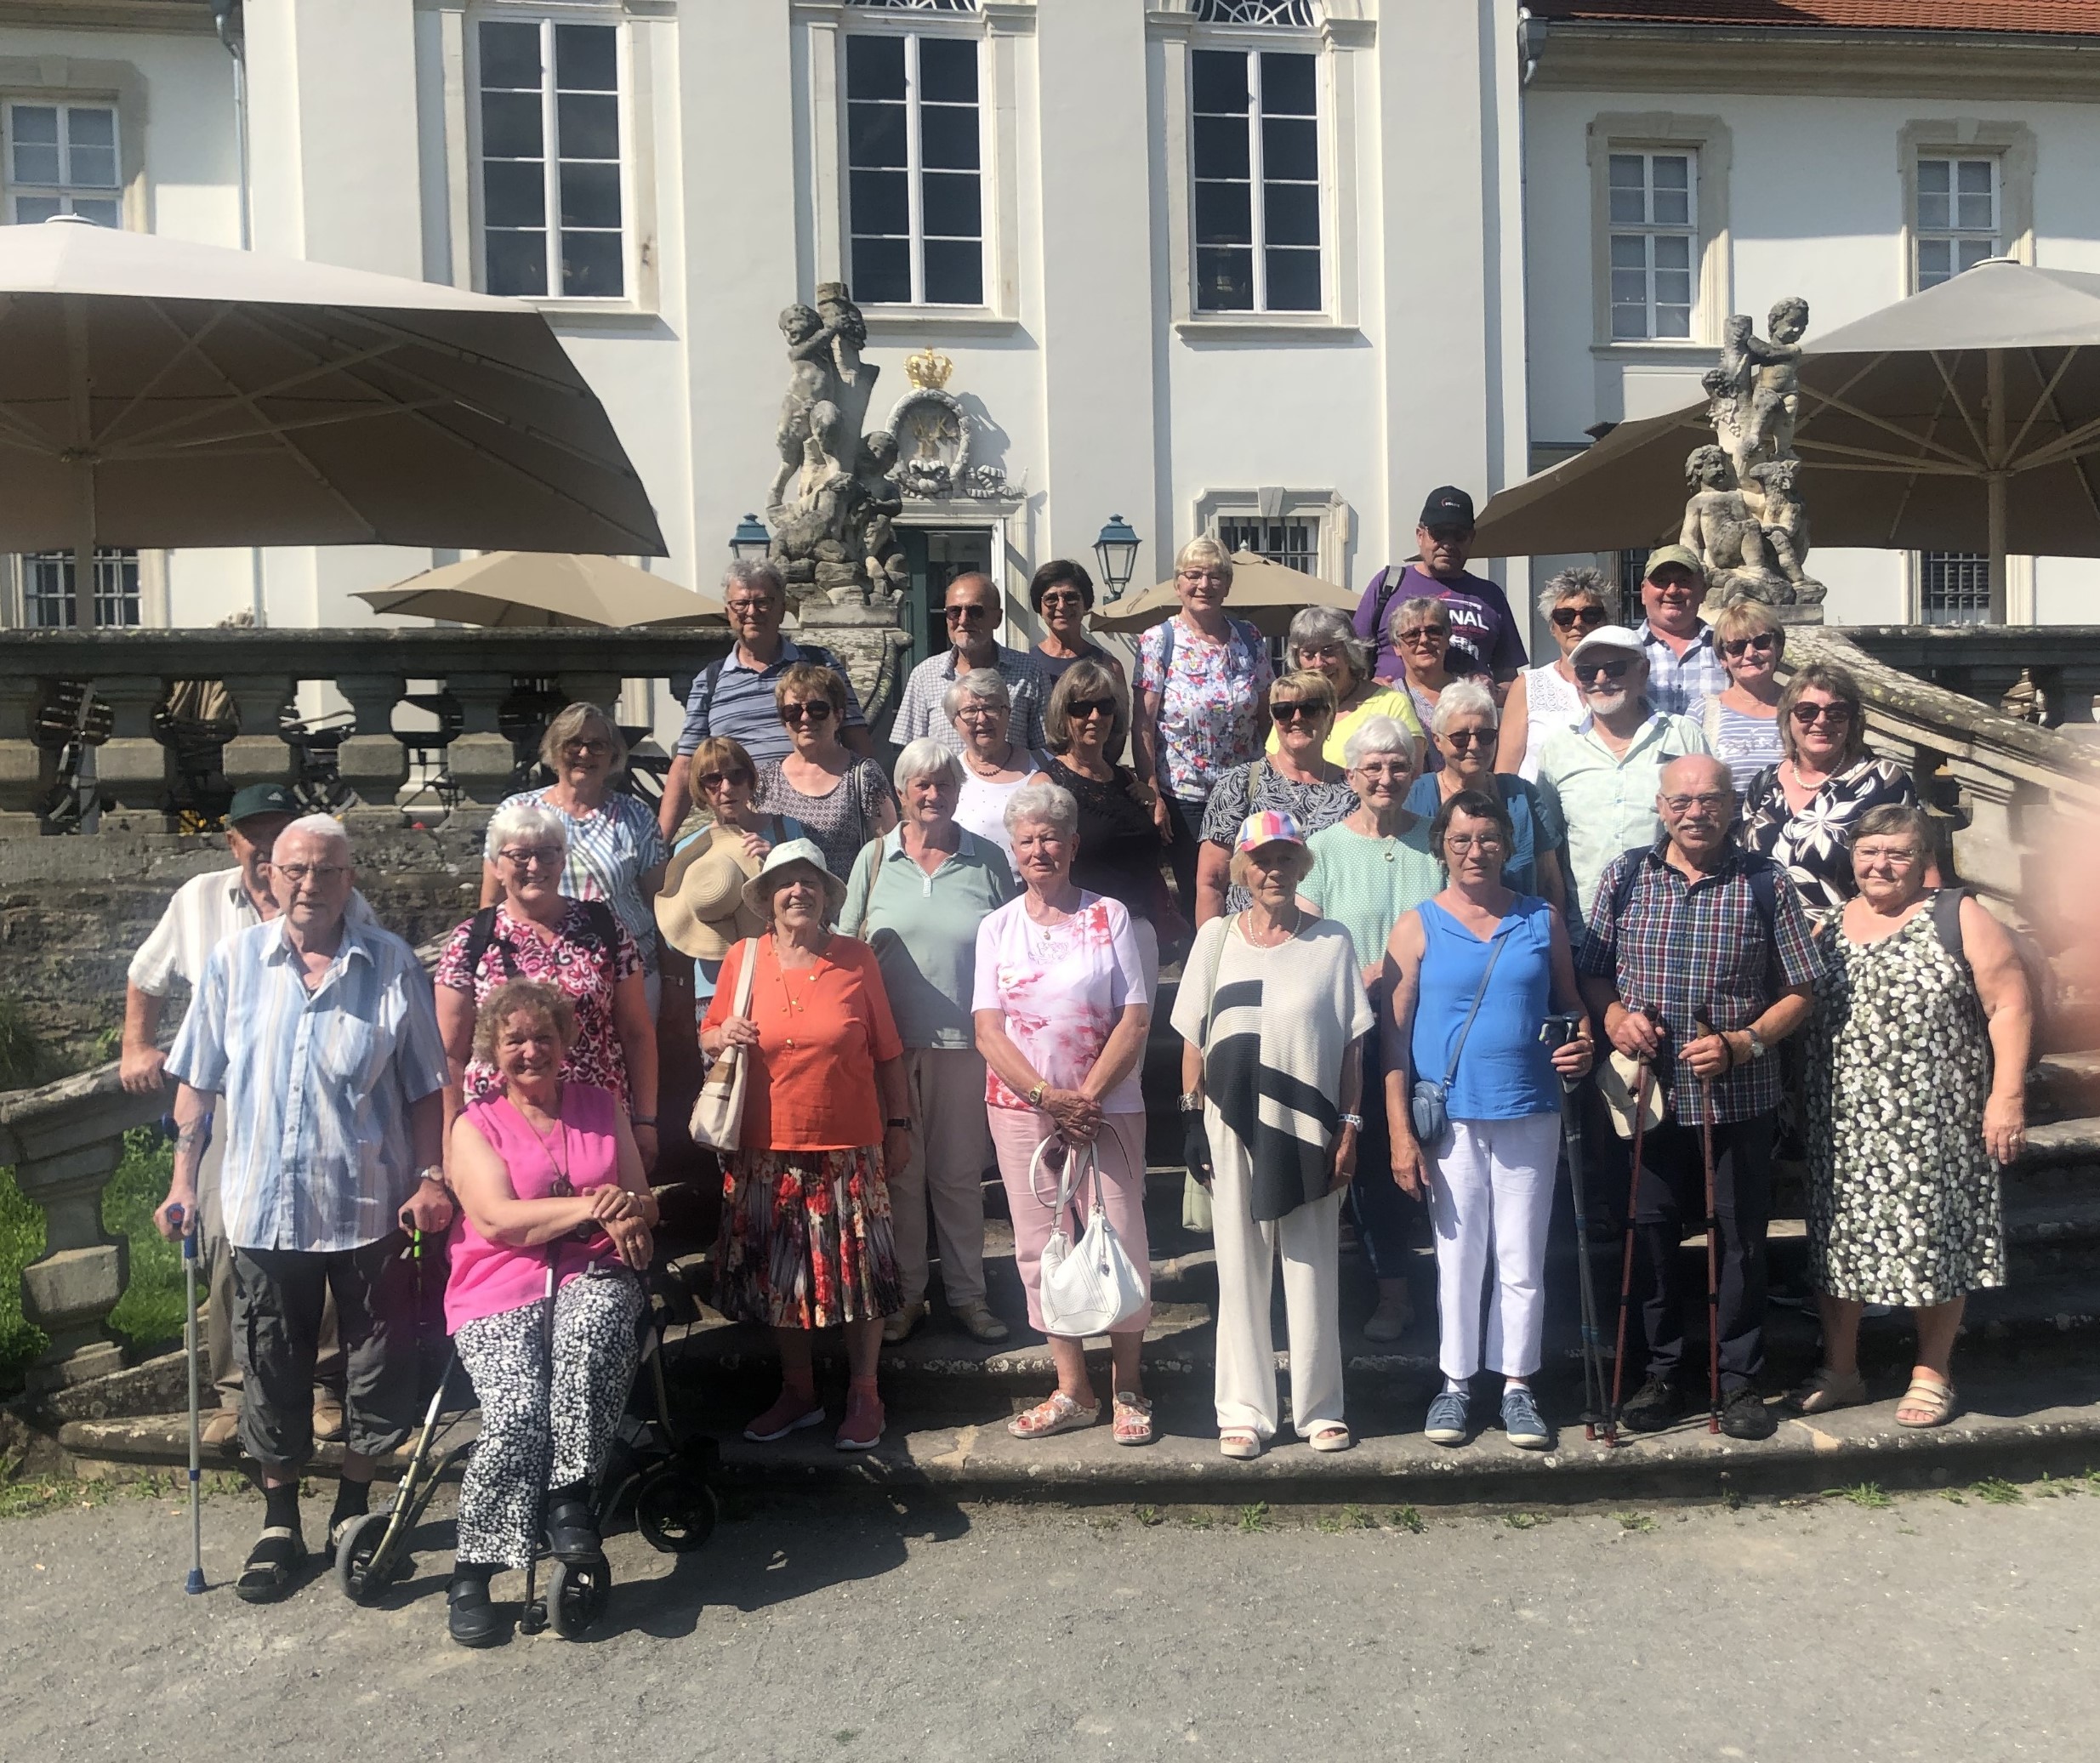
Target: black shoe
[[1653, 1407], [470, 1616], [1744, 1415], [572, 1532]]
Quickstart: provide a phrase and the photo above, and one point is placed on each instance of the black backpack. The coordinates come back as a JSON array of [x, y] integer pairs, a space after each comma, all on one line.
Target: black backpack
[[602, 929]]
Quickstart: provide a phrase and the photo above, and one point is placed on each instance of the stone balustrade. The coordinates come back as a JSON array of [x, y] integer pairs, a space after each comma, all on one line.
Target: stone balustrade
[[1986, 662], [479, 677]]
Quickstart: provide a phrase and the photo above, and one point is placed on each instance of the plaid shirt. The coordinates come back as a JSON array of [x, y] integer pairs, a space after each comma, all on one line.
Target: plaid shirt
[[921, 710], [1699, 949], [1676, 682]]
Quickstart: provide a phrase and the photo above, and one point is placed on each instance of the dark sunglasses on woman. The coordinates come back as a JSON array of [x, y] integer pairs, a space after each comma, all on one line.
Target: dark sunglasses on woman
[[1741, 646], [816, 710], [1568, 617]]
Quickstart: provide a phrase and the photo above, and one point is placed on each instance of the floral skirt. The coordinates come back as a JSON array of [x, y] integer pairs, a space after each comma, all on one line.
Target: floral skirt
[[806, 1241]]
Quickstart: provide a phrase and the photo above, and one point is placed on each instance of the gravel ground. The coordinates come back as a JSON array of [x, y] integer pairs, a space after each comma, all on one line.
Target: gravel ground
[[1919, 1629]]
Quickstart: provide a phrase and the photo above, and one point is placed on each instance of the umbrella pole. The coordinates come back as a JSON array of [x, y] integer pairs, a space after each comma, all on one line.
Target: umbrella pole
[[1995, 482], [83, 546], [83, 411]]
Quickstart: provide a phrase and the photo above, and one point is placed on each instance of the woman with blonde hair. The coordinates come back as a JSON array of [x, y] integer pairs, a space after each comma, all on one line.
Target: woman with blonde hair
[[842, 801], [1322, 640], [1741, 723]]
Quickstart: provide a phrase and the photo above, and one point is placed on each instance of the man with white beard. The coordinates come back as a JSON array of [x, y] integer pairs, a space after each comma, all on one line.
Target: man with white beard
[[1607, 768]]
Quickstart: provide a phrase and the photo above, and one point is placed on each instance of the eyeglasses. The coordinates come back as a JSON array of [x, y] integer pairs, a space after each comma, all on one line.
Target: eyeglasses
[[1742, 645], [981, 708], [1718, 802], [1424, 633], [966, 615], [1896, 856], [533, 856], [1062, 599], [1294, 712], [1204, 575], [1588, 670], [1080, 708], [318, 873], [750, 608], [1468, 738], [711, 782], [816, 710], [1837, 715], [1568, 617], [585, 749], [1481, 842]]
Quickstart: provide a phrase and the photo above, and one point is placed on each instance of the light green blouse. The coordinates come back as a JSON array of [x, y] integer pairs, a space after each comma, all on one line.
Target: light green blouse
[[1364, 883]]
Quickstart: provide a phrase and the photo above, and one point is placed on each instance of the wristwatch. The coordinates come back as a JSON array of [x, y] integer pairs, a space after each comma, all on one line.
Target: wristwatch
[[649, 1120], [432, 1171], [1035, 1095], [905, 1125], [1192, 1103], [1758, 1049]]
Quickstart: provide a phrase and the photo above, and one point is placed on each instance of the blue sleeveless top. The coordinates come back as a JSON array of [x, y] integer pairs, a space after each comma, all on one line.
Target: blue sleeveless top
[[1506, 1072]]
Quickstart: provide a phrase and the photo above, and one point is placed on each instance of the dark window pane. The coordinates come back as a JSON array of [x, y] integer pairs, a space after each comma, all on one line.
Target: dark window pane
[[948, 69], [514, 192], [510, 125], [948, 137], [586, 58], [1294, 281], [30, 210], [880, 201], [1225, 280], [517, 262], [590, 265], [1220, 144], [874, 67], [510, 56], [1290, 148], [590, 126], [874, 134], [882, 271], [1224, 215], [591, 196], [954, 273], [1220, 82], [952, 205], [1291, 213], [1286, 86]]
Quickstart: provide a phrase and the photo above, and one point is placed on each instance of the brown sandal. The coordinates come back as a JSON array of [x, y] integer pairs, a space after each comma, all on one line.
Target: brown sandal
[[1828, 1390], [1931, 1399]]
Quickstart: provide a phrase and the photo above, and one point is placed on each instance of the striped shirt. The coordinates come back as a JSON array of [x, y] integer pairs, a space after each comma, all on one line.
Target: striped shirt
[[206, 911], [609, 853], [923, 708], [315, 1086], [732, 700], [1675, 681]]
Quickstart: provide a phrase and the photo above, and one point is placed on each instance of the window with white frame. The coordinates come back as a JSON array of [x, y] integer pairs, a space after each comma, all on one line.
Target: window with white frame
[[1254, 12], [914, 170], [1954, 587], [1957, 218], [1254, 155], [1654, 245], [48, 589], [1293, 541], [549, 137], [61, 159]]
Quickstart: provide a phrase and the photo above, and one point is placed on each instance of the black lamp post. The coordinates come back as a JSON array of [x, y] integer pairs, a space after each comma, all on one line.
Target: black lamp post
[[750, 541], [1116, 550]]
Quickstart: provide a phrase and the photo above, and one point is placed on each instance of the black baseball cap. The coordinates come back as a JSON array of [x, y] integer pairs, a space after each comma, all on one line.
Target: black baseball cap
[[1448, 506]]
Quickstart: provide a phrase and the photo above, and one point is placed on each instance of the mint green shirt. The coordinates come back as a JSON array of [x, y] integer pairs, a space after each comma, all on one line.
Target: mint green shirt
[[924, 931], [1365, 884], [1609, 801]]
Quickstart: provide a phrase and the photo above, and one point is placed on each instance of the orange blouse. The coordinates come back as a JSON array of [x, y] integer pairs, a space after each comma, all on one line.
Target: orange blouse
[[821, 1032]]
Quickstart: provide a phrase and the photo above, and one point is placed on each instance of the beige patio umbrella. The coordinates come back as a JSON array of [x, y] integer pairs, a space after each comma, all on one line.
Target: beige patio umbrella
[[155, 392], [511, 589], [1266, 594], [1964, 418]]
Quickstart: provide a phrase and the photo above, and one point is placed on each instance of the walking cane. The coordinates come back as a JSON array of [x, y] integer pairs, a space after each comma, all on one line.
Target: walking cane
[[187, 1226], [1713, 1246], [1626, 1270], [1557, 1031], [533, 1619]]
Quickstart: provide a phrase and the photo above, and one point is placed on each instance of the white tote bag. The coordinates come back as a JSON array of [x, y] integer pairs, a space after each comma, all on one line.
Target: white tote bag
[[718, 1110], [1090, 1286]]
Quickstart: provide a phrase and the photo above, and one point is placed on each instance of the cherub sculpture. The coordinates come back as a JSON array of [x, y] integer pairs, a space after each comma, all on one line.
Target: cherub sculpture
[[880, 501], [1783, 519], [811, 380]]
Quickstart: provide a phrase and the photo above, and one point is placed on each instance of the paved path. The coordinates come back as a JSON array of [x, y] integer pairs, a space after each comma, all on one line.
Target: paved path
[[932, 1631]]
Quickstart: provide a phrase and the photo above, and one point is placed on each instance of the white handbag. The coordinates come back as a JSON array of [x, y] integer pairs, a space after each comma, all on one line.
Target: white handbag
[[718, 1110], [1090, 1286]]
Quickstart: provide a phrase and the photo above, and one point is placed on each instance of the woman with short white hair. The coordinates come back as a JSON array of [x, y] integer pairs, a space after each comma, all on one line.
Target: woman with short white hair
[[1322, 640], [1466, 732], [992, 765], [917, 896], [1062, 1007]]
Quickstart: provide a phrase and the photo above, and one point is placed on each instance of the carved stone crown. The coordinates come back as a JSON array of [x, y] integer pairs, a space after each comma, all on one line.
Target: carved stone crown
[[928, 370]]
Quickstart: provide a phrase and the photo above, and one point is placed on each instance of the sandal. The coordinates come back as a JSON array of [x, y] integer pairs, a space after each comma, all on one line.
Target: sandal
[[1057, 1413], [267, 1573], [1133, 1418], [1332, 1437], [1929, 1400], [1828, 1390], [1241, 1443]]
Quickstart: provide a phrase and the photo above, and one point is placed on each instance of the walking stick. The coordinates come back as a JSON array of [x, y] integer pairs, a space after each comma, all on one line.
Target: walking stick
[[1626, 1270], [187, 1226], [1713, 1248], [533, 1619], [1594, 1411]]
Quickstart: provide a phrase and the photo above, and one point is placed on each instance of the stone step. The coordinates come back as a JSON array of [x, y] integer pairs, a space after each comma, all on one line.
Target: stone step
[[2064, 1085]]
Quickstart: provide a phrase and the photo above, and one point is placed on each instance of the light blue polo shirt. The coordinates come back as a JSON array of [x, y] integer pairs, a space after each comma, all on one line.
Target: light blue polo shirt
[[924, 931]]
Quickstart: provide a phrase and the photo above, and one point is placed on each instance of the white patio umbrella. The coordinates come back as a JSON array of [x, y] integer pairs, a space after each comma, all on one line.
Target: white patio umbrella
[[515, 589], [155, 392], [1964, 418]]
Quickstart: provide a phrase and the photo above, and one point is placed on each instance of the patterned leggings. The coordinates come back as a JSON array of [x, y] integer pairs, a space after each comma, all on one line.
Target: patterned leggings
[[535, 1436]]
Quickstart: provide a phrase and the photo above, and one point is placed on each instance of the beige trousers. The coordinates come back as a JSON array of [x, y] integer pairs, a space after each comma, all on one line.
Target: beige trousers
[[951, 1149]]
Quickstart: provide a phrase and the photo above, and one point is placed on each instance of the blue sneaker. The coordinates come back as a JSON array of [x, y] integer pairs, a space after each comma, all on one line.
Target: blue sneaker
[[1522, 1422], [1446, 1424]]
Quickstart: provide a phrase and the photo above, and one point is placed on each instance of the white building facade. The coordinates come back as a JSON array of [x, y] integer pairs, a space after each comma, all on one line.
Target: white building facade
[[1270, 268]]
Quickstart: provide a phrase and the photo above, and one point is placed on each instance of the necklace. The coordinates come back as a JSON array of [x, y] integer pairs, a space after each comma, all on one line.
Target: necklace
[[561, 1189], [795, 1005], [970, 759], [1246, 930]]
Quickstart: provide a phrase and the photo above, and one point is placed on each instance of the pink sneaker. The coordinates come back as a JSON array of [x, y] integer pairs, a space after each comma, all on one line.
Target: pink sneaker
[[792, 1411], [862, 1431]]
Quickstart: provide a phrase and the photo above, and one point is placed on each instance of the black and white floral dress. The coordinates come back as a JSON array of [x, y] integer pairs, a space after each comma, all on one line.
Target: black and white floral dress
[[1903, 1205], [1815, 846]]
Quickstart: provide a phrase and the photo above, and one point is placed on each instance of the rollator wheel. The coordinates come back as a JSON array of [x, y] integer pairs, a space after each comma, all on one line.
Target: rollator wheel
[[359, 1575], [676, 1510], [576, 1593]]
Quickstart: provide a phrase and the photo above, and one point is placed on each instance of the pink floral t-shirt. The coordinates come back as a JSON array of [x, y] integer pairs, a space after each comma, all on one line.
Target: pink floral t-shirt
[[1061, 988], [1210, 701]]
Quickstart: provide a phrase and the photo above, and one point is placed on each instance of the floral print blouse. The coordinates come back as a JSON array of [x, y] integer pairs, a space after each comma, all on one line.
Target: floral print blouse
[[1210, 696], [1815, 846], [1061, 988]]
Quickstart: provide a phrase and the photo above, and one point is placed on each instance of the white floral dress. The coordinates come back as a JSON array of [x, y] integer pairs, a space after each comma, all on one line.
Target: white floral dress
[[1903, 1206]]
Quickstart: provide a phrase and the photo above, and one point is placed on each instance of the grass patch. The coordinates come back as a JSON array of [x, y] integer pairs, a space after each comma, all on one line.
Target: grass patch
[[1253, 1518], [1996, 1491], [1198, 1520], [1407, 1519], [1525, 1520], [1148, 1516], [1638, 1523], [1868, 1496]]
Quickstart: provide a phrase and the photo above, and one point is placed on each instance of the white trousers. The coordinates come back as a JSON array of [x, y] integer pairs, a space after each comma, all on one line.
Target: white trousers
[[1491, 1188], [1309, 1239], [951, 1149]]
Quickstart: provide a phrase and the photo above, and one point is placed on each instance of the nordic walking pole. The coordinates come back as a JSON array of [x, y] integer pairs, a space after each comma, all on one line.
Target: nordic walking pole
[[187, 1226], [1625, 1270], [533, 1619], [1593, 1414], [1713, 1246]]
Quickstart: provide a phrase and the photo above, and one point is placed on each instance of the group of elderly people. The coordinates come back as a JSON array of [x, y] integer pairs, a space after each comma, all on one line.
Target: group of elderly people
[[1411, 911]]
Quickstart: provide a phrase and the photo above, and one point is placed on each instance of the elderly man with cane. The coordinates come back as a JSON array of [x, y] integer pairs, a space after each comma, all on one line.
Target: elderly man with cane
[[313, 1042], [1697, 962]]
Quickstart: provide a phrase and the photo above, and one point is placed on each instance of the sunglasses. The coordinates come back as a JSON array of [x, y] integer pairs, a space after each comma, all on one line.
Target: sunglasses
[[1568, 617], [1602, 669], [1762, 641], [1468, 738], [1294, 712], [816, 710], [1837, 715], [966, 615], [711, 782], [1080, 708], [585, 749], [1425, 633], [1061, 599]]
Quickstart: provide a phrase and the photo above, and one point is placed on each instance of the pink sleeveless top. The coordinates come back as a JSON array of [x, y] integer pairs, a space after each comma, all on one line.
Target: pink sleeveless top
[[488, 1278]]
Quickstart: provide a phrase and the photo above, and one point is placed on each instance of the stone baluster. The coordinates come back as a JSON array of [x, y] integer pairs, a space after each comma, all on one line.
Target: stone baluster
[[371, 759], [25, 768], [479, 757], [132, 767], [258, 753], [65, 1141], [602, 689]]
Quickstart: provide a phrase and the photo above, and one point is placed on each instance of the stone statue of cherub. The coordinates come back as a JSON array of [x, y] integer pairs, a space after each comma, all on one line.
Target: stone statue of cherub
[[811, 380]]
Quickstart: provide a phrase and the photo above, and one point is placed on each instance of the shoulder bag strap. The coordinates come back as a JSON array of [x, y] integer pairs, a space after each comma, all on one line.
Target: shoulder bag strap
[[1494, 954], [742, 1006], [874, 871], [1211, 982], [1946, 921]]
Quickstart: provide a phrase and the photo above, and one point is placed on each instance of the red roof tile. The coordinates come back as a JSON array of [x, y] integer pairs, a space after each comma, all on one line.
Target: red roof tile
[[2078, 18]]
